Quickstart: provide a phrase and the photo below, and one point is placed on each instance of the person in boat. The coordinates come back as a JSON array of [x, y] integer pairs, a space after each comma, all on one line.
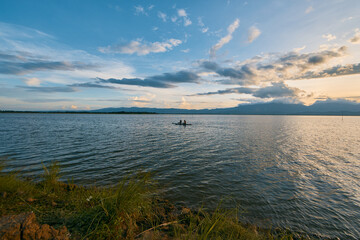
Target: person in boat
[[184, 122], [180, 122]]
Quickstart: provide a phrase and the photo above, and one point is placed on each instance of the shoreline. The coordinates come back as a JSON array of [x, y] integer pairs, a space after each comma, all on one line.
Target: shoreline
[[133, 209]]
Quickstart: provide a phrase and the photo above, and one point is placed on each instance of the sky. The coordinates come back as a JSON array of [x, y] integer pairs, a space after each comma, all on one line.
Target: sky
[[87, 54]]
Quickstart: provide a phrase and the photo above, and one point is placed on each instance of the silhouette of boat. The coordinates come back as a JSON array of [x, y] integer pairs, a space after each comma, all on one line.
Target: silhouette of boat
[[183, 124]]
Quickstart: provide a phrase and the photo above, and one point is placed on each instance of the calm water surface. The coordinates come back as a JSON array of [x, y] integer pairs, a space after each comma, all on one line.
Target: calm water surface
[[301, 172]]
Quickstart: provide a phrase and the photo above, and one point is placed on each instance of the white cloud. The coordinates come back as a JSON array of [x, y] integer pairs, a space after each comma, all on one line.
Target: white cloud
[[155, 28], [297, 50], [253, 34], [115, 7], [225, 39], [200, 22], [182, 13], [187, 22], [139, 10], [347, 19], [142, 48], [324, 47], [329, 37], [184, 104], [33, 81], [356, 38], [309, 10], [151, 7], [162, 15], [142, 101], [185, 50], [173, 18], [203, 28]]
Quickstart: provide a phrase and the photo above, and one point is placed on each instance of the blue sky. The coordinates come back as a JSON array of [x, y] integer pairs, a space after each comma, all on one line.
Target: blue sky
[[183, 54]]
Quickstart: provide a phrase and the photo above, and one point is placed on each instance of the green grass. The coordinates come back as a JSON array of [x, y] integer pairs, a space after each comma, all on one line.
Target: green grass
[[130, 210]]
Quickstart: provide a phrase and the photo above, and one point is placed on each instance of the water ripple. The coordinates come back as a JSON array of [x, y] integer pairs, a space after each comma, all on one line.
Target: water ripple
[[300, 172]]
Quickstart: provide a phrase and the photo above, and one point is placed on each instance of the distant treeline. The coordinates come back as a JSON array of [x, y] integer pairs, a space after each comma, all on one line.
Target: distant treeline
[[74, 112]]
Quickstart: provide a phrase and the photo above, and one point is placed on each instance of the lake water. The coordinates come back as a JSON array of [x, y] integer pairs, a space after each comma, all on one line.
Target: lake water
[[300, 172]]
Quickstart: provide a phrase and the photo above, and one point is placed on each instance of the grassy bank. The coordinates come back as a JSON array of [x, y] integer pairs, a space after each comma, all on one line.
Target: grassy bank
[[130, 210]]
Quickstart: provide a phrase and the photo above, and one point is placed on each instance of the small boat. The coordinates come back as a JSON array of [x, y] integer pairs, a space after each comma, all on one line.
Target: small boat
[[183, 124]]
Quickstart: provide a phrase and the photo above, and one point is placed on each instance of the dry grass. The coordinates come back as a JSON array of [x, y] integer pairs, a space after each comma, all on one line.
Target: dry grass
[[129, 210]]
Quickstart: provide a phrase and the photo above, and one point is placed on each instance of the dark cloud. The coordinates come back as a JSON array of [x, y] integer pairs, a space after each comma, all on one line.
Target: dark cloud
[[338, 100], [8, 57], [355, 39], [316, 59], [339, 70], [165, 80], [267, 67], [178, 77], [48, 89], [91, 85], [230, 72], [313, 57], [209, 65], [109, 100], [243, 75], [19, 56], [140, 101], [239, 90], [306, 60], [44, 100], [23, 63], [275, 90], [137, 82], [326, 55], [272, 67], [18, 68]]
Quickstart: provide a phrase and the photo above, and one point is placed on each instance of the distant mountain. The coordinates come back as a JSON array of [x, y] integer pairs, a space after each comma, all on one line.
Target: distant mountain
[[328, 107], [335, 106]]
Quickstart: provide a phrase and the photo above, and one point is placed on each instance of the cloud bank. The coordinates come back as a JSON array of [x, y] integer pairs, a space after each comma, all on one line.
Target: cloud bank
[[276, 67], [275, 90], [22, 64], [165, 80], [91, 85], [49, 89]]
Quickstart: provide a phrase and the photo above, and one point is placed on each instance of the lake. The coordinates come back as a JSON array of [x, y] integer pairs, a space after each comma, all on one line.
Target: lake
[[300, 172]]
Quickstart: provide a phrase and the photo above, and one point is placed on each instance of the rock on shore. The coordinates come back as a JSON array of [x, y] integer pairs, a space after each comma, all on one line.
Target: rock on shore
[[25, 227]]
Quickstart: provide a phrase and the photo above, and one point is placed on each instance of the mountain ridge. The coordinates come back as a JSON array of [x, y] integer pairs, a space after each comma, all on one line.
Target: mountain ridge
[[329, 107]]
